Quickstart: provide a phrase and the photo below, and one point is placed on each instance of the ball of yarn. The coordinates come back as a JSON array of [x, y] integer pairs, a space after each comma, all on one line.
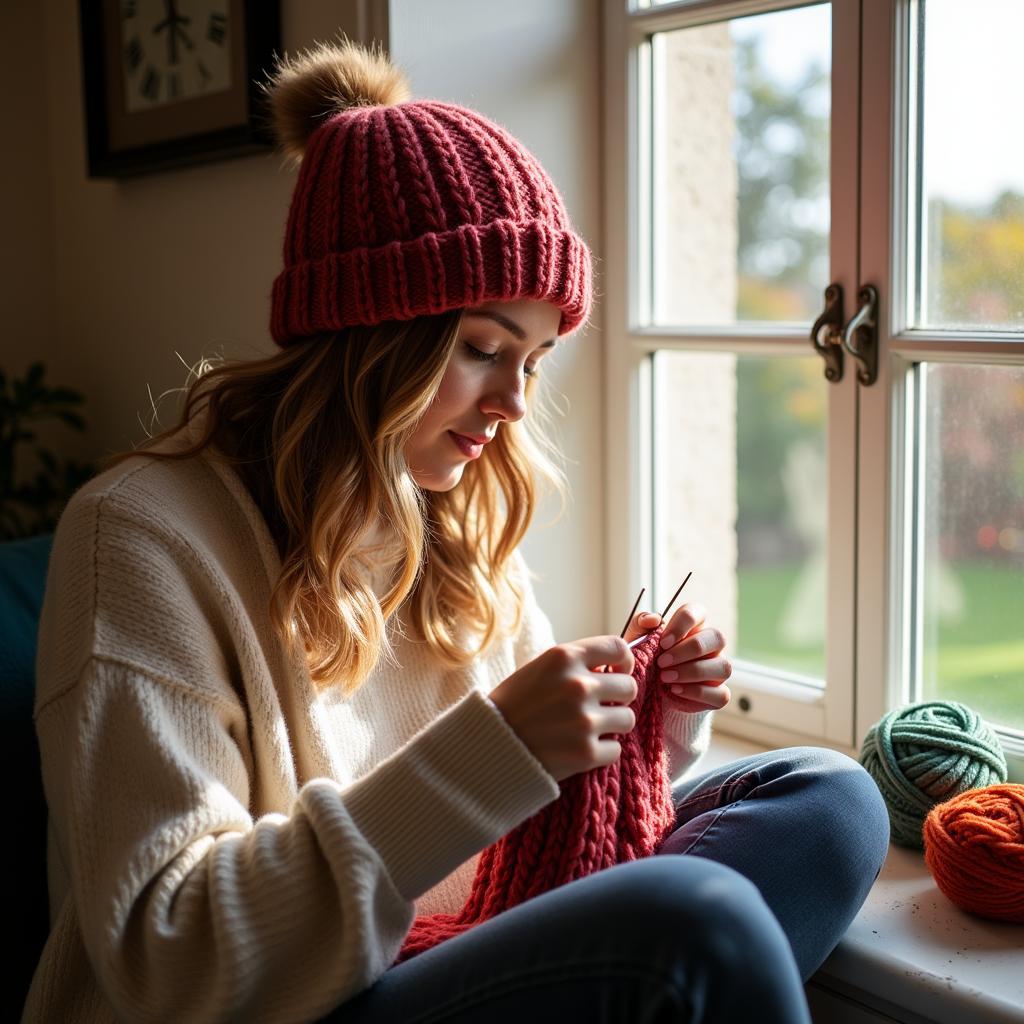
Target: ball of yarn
[[922, 754], [974, 848]]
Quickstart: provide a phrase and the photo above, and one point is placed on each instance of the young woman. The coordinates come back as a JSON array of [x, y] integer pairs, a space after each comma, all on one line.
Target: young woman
[[293, 678]]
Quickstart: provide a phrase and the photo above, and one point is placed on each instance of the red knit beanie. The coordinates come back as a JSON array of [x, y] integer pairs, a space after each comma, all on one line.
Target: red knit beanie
[[408, 207]]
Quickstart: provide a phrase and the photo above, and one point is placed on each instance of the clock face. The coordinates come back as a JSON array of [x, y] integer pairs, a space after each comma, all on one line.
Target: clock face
[[173, 50]]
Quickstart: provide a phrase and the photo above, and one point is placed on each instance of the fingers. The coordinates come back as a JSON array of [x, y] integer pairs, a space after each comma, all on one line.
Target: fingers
[[641, 624], [616, 721], [704, 642], [705, 670], [617, 687], [684, 621], [700, 698], [611, 651]]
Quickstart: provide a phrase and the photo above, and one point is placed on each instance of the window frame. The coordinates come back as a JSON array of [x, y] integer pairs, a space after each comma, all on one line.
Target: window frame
[[869, 654], [887, 508], [782, 710]]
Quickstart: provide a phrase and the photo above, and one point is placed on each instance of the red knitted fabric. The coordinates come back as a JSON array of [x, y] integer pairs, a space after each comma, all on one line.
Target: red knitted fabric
[[416, 208], [603, 817]]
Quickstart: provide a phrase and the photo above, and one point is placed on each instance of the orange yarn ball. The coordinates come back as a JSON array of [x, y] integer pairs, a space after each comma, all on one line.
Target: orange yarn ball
[[974, 848]]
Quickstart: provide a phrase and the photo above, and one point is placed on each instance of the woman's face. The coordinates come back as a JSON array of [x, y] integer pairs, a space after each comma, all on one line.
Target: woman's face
[[481, 389]]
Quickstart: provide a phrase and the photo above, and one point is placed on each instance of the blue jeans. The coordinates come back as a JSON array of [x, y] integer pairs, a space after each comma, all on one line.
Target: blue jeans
[[770, 861]]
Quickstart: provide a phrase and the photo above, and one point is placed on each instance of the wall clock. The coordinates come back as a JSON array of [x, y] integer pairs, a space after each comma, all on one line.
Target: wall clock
[[173, 82]]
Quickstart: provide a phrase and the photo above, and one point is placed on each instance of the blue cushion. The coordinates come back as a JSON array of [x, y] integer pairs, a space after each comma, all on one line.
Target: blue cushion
[[23, 565]]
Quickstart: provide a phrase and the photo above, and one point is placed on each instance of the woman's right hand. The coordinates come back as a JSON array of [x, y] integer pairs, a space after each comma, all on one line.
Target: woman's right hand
[[555, 704]]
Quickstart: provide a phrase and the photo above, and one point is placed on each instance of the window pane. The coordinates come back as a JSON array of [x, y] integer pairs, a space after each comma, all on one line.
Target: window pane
[[740, 499], [972, 644], [741, 169], [970, 174]]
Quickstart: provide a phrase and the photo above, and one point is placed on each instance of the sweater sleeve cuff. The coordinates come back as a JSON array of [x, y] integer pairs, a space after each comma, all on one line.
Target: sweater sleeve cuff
[[456, 787], [687, 736]]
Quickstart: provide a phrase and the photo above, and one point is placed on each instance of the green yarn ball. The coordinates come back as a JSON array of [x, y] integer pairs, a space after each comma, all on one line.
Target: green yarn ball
[[923, 754]]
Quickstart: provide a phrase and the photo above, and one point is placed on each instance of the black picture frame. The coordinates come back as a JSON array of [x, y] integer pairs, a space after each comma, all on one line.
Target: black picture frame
[[122, 144]]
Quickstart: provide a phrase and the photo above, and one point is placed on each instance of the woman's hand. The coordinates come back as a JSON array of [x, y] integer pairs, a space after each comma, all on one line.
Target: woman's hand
[[568, 711], [691, 651]]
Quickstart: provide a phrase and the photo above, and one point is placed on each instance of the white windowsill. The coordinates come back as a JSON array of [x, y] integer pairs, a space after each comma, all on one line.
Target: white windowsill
[[910, 955]]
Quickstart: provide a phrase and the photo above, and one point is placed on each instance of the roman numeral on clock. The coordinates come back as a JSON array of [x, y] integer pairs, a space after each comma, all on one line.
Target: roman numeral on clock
[[217, 28], [151, 83], [133, 51]]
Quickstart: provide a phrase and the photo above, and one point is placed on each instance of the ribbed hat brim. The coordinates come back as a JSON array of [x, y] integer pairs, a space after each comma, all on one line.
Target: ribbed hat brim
[[474, 263]]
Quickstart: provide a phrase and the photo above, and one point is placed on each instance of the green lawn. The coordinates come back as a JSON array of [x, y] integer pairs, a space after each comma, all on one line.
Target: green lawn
[[977, 659]]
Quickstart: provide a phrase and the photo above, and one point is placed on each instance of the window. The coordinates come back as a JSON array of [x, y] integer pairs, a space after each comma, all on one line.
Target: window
[[858, 535]]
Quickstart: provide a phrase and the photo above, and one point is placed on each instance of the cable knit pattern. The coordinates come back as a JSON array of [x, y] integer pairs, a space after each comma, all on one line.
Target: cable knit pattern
[[621, 812], [416, 208], [225, 842]]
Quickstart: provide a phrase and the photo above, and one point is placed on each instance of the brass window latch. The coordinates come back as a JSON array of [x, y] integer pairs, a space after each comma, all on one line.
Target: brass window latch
[[859, 336]]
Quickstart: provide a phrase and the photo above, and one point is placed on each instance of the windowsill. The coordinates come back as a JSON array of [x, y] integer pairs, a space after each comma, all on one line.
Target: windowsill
[[910, 955]]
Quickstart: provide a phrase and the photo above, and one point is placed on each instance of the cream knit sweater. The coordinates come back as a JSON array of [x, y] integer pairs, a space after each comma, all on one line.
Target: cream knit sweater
[[226, 842]]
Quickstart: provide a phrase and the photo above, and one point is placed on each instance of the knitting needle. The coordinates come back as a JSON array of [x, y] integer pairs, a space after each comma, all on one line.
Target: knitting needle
[[632, 613], [640, 639]]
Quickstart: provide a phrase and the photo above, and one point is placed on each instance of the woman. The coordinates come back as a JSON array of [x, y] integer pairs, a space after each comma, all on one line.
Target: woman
[[293, 678]]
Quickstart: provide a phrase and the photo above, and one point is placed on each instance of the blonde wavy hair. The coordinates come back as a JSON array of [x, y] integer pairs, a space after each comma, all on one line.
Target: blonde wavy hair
[[317, 432]]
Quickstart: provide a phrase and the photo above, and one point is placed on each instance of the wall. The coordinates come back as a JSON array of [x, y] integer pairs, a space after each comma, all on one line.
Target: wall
[[27, 274], [120, 285]]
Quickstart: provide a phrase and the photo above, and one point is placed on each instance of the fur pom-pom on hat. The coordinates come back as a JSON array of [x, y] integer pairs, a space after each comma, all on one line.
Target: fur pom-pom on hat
[[313, 85]]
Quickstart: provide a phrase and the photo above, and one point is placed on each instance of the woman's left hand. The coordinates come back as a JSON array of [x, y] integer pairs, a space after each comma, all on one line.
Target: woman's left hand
[[693, 653]]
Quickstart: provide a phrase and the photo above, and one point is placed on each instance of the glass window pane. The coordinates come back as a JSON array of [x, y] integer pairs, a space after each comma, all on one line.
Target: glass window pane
[[740, 217], [740, 478], [966, 263], [972, 548]]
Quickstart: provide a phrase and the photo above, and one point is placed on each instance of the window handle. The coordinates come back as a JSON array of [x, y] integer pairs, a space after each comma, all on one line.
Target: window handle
[[860, 336], [827, 333]]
